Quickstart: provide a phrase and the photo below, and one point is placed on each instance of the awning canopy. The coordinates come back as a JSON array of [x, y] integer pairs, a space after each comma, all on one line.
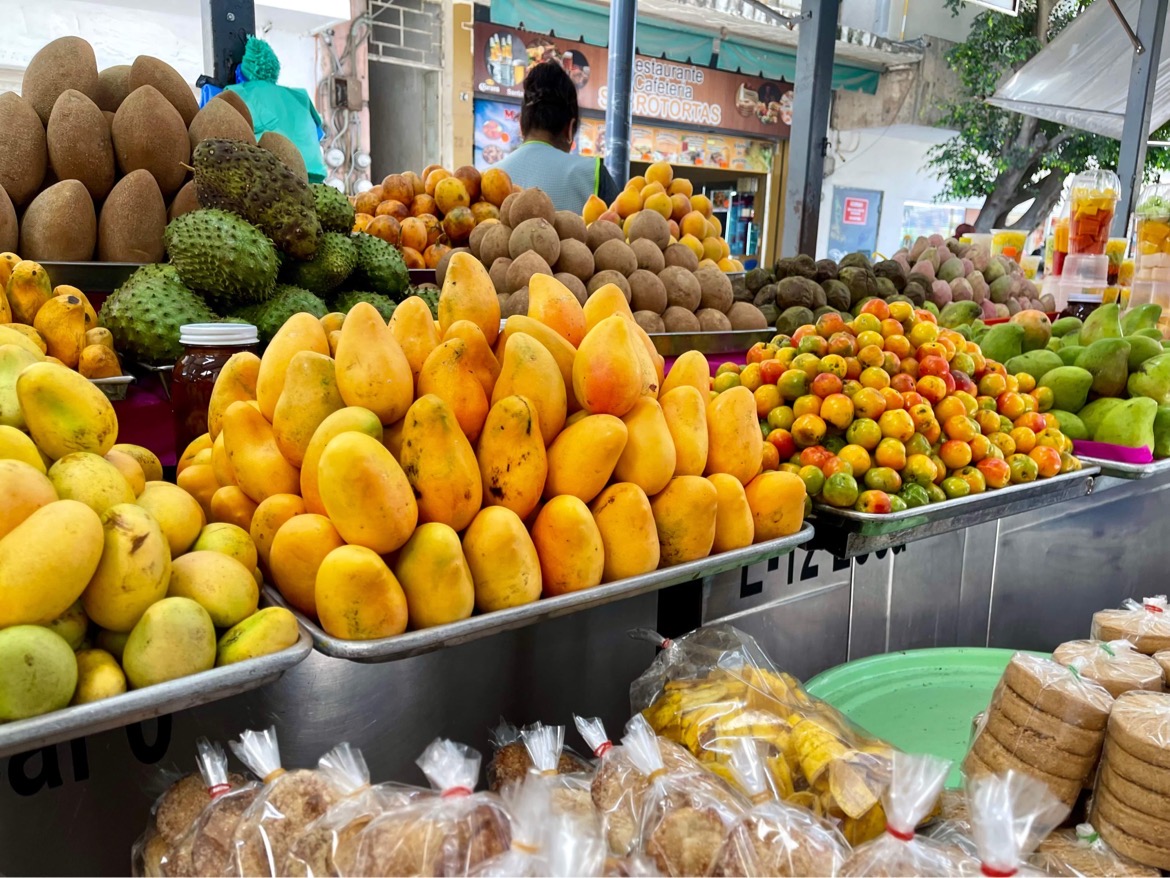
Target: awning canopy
[[1081, 78]]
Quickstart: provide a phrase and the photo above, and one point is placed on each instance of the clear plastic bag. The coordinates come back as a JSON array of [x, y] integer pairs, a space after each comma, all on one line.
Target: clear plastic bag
[[715, 685], [1082, 853], [568, 793], [774, 837], [1146, 624], [913, 791], [451, 834], [511, 760], [616, 789], [288, 803], [1010, 814], [1116, 665]]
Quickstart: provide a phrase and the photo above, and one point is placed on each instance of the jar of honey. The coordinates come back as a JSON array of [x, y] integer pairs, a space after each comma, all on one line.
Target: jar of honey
[[206, 349]]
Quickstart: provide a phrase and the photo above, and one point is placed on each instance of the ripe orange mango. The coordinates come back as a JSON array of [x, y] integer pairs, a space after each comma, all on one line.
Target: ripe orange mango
[[236, 383], [513, 464], [357, 595], [372, 371], [198, 480], [482, 360], [648, 460], [684, 516], [690, 368], [268, 519], [553, 304], [468, 294], [734, 524], [309, 396], [301, 332], [572, 555], [606, 301], [734, 441], [440, 464], [607, 371], [685, 410], [232, 505], [220, 463], [300, 546], [435, 576], [349, 419], [563, 352], [414, 329], [505, 569], [382, 514], [196, 445], [260, 468], [628, 534], [448, 374], [529, 370], [777, 503], [582, 458]]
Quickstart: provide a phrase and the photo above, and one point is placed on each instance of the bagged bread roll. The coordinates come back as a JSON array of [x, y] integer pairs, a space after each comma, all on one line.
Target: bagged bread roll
[[1146, 624], [1082, 853], [568, 793], [511, 760], [1115, 664], [1010, 814]]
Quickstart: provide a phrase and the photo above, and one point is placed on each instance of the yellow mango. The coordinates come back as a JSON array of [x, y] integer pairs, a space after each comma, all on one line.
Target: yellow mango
[[39, 581], [99, 676], [174, 638], [61, 322], [8, 261], [563, 352], [735, 444], [228, 539], [685, 515], [152, 469], [440, 464], [734, 525], [513, 463], [25, 489], [414, 330], [24, 336], [218, 583], [129, 468], [435, 576], [650, 361], [572, 555], [178, 514], [72, 625], [134, 570], [690, 368], [5, 308], [392, 437], [332, 322], [16, 445], [607, 371], [224, 474], [310, 395], [372, 371], [468, 294], [230, 505], [353, 419], [299, 547], [334, 341], [448, 374], [606, 301], [685, 410], [64, 412], [91, 479], [13, 360], [380, 516], [91, 319], [583, 457], [204, 456], [504, 565], [358, 596], [268, 519], [200, 482], [301, 332], [198, 444], [98, 361], [236, 383], [31, 333], [28, 289], [628, 535], [479, 353], [260, 468], [777, 503], [648, 458], [265, 632], [553, 304], [99, 335], [529, 370]]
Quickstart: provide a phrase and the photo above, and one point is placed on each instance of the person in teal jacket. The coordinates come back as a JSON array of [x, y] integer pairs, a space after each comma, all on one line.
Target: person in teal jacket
[[287, 111]]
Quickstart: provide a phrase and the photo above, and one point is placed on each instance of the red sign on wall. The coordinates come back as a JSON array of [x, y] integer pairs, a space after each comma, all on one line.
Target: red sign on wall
[[856, 212]]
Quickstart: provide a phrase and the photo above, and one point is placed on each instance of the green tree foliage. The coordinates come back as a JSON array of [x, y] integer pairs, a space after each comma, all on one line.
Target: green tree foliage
[[1007, 158]]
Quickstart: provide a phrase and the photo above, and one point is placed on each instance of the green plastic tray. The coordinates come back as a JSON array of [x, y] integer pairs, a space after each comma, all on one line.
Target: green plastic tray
[[920, 700]]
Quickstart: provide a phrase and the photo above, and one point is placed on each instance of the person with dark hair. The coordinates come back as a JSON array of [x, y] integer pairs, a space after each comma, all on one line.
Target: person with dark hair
[[549, 119]]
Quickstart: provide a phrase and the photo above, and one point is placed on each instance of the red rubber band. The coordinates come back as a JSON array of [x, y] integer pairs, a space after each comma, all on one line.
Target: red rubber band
[[603, 749], [667, 643], [455, 793], [1153, 608], [900, 835], [219, 789], [992, 872]]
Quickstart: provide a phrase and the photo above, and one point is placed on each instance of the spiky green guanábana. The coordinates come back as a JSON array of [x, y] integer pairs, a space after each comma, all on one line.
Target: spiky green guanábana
[[145, 313], [384, 304], [430, 295], [335, 261], [380, 266], [227, 259], [253, 183], [286, 301], [334, 211]]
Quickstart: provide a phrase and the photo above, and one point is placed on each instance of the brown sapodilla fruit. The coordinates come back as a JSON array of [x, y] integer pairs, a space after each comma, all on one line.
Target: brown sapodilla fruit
[[66, 62], [149, 133], [79, 143]]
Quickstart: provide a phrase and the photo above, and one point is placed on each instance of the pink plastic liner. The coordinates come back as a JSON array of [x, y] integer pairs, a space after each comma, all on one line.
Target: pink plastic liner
[[1119, 453]]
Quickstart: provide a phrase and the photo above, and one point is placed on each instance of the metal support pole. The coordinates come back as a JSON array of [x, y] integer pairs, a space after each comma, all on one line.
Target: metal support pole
[[623, 15], [810, 122], [1143, 75], [227, 24]]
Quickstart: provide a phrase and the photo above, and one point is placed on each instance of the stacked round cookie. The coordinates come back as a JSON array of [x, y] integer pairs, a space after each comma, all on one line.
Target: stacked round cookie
[[1117, 666], [1044, 720], [1081, 852], [1131, 802], [1145, 625]]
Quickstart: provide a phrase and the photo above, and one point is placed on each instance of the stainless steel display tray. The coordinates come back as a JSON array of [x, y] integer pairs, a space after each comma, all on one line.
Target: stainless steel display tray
[[847, 533], [1119, 470], [671, 344], [115, 388], [412, 643], [141, 704]]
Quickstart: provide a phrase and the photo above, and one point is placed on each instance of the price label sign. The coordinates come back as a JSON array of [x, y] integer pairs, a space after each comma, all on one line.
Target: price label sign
[[856, 212]]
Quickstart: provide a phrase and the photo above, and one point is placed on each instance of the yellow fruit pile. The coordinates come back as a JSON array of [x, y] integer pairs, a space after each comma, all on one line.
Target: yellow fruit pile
[[57, 323], [98, 555], [407, 475], [692, 220]]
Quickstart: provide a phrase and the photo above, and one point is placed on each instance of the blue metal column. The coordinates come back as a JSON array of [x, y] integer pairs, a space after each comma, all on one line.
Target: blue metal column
[[810, 123], [619, 105], [227, 24]]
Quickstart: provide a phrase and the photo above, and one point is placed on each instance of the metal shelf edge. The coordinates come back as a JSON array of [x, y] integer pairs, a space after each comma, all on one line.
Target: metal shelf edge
[[1118, 470]]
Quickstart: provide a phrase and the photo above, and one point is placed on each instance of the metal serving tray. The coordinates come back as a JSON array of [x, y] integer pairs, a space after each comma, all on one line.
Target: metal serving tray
[[412, 643], [847, 533], [672, 344], [140, 704], [1119, 470], [115, 388]]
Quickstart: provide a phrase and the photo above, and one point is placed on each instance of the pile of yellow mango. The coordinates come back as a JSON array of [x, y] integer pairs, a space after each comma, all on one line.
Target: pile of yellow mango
[[54, 323], [412, 473], [109, 577]]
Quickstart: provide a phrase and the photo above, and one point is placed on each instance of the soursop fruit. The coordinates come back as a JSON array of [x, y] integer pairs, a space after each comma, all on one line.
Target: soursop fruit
[[145, 313], [230, 261], [347, 300], [334, 211], [430, 295], [381, 265], [286, 301], [250, 181], [336, 258]]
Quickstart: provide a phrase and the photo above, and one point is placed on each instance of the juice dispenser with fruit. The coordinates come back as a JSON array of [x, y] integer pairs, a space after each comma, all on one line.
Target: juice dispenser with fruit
[[1092, 203], [1115, 250], [1151, 278]]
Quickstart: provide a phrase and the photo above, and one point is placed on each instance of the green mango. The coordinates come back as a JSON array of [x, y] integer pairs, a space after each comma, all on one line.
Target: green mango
[[1070, 352], [932, 308], [1066, 325], [1165, 343], [1130, 424], [1142, 317], [1070, 425], [1155, 334], [1152, 379], [1103, 322], [1054, 344], [1073, 339], [956, 314], [1141, 348], [1162, 432], [1070, 386], [1094, 413], [1003, 342], [1034, 363], [964, 330], [1108, 360]]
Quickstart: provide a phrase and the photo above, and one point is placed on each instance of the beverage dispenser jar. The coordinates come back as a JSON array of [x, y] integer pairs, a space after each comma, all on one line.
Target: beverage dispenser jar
[[1151, 275]]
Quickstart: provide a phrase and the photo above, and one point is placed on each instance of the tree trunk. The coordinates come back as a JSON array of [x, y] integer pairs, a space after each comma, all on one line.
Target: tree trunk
[[1046, 198]]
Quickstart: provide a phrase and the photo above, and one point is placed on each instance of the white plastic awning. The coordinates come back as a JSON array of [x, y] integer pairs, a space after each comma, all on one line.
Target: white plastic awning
[[1081, 78]]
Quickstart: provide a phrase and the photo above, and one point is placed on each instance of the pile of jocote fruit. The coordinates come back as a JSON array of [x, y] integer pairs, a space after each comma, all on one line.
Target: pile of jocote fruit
[[889, 411], [411, 474], [109, 577]]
